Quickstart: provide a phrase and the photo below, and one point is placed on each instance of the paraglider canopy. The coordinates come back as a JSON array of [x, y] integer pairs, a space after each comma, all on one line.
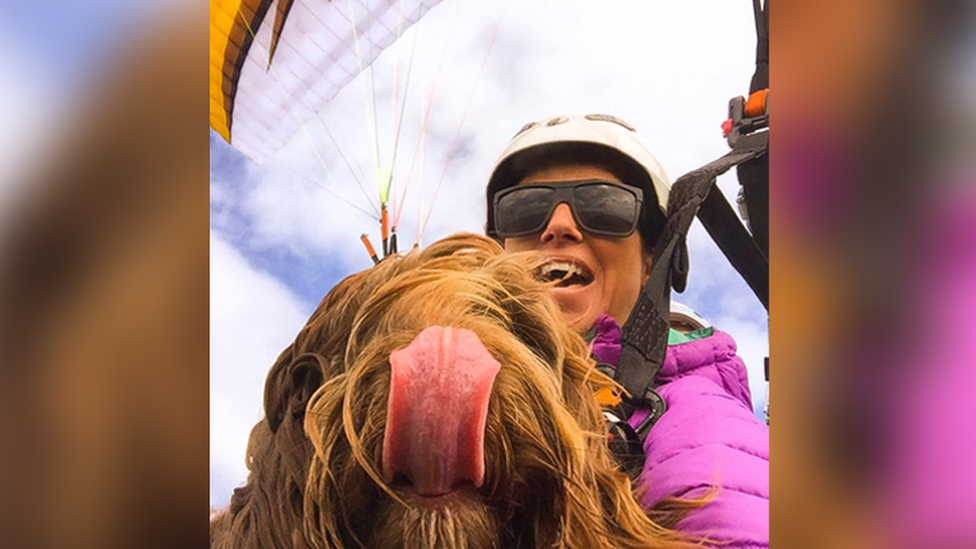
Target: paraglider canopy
[[272, 72]]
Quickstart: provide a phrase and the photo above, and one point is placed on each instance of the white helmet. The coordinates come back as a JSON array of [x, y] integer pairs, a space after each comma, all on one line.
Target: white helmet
[[601, 136], [684, 314]]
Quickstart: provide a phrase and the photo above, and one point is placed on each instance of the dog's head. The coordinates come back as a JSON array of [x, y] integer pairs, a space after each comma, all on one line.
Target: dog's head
[[437, 401]]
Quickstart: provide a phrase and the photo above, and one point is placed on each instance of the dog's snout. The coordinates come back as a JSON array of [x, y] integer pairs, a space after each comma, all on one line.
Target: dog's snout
[[439, 392]]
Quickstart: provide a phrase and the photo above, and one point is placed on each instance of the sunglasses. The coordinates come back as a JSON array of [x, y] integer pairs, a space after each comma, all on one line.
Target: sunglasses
[[598, 207]]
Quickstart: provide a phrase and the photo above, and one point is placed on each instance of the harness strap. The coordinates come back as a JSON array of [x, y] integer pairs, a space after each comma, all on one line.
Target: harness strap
[[754, 176], [741, 248], [760, 79], [644, 336]]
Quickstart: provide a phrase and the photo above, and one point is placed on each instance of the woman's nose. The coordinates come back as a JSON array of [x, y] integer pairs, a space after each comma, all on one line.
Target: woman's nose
[[562, 227]]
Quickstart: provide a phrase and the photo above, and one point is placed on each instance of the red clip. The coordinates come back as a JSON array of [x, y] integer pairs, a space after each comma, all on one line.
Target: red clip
[[726, 127]]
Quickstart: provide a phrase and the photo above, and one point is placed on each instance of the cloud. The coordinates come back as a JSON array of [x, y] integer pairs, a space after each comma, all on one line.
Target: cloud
[[667, 68], [253, 317]]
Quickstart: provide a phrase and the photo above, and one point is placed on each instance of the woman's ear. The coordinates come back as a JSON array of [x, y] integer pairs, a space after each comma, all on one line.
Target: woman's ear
[[647, 263]]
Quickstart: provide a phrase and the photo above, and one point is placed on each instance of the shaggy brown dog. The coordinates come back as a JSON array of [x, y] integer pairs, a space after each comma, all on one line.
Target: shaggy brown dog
[[525, 465]]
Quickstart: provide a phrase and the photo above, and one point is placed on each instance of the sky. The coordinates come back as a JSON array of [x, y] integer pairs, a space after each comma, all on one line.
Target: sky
[[281, 236]]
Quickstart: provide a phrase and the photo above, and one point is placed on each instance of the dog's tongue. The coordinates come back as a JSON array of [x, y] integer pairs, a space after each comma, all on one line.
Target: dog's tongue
[[438, 406]]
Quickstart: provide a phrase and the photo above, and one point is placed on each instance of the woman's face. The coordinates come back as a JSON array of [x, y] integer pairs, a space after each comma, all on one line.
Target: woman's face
[[615, 268]]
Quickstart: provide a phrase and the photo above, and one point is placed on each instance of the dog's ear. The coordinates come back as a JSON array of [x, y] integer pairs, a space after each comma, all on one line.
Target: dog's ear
[[291, 384]]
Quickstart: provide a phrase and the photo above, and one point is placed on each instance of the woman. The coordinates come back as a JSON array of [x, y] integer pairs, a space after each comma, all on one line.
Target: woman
[[584, 192]]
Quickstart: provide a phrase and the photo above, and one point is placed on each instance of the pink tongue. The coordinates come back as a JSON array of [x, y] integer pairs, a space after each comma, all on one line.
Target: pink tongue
[[435, 429]]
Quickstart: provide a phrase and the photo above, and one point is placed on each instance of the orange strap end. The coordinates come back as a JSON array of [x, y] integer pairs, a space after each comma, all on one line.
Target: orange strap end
[[608, 397], [758, 103]]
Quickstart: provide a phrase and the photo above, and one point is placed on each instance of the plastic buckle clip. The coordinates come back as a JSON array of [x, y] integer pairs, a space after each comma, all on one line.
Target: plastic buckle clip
[[657, 406], [740, 123]]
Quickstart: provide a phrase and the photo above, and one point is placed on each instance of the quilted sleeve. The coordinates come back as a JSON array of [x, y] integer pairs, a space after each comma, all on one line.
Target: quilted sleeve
[[709, 438]]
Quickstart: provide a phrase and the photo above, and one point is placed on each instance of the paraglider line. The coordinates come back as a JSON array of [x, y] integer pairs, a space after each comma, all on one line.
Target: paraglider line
[[324, 188], [457, 135], [370, 106], [291, 106], [423, 176], [385, 231], [304, 129], [345, 160], [395, 95], [357, 174], [372, 87], [427, 111], [403, 109]]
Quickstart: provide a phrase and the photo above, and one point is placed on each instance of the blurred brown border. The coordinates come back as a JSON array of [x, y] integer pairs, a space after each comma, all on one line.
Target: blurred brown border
[[104, 283], [104, 311], [855, 94]]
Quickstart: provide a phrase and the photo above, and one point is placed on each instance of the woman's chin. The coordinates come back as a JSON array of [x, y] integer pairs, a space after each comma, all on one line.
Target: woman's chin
[[579, 305]]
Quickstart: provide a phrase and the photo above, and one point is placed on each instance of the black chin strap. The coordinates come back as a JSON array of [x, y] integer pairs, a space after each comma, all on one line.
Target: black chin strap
[[644, 338]]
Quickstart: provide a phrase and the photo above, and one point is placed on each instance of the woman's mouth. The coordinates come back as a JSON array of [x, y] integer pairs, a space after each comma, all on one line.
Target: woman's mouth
[[565, 273]]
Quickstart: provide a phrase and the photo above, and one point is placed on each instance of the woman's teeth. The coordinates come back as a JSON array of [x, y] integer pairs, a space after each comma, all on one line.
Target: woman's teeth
[[566, 273]]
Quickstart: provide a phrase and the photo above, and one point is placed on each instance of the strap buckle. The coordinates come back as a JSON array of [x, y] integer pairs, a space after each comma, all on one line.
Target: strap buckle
[[656, 408], [746, 117]]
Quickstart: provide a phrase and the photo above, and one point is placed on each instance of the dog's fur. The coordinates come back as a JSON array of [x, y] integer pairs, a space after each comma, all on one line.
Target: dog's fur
[[550, 482]]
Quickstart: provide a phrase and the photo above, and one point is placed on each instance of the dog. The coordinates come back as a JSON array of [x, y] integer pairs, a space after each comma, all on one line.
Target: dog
[[438, 401]]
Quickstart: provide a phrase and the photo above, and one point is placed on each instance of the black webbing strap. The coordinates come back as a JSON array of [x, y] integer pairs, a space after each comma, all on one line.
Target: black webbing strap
[[725, 228], [760, 79], [644, 337], [754, 175], [754, 178]]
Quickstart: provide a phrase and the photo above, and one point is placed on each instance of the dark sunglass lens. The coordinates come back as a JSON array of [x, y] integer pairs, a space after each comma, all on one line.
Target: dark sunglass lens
[[606, 209], [523, 211]]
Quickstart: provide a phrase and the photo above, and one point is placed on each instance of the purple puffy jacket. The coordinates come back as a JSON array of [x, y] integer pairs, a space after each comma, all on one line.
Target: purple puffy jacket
[[709, 436]]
